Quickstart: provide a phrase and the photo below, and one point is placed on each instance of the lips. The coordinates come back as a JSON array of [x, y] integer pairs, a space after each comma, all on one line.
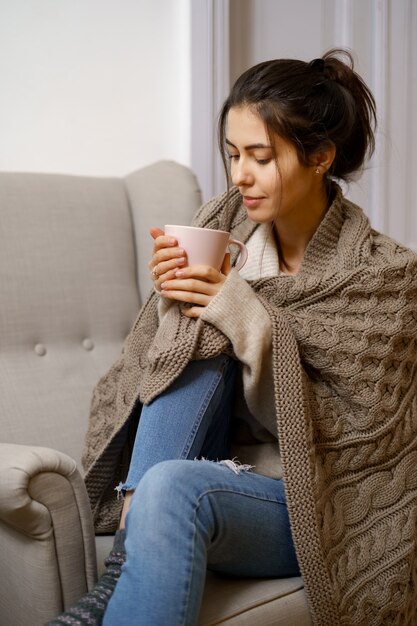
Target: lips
[[252, 202]]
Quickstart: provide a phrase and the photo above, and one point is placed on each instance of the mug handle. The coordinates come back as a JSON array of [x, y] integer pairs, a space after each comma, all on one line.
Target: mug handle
[[243, 256]]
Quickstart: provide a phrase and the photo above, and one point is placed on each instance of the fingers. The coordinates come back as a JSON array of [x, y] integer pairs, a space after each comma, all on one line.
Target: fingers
[[195, 285], [200, 272], [161, 272], [185, 290], [156, 232], [165, 248], [166, 269], [199, 278], [226, 266], [188, 297], [166, 256], [194, 311]]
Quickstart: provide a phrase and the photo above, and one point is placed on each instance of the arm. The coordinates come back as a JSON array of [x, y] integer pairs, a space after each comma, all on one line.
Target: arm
[[238, 313], [225, 300]]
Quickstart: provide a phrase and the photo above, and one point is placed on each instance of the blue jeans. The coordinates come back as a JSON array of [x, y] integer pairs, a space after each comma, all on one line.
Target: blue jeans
[[189, 515]]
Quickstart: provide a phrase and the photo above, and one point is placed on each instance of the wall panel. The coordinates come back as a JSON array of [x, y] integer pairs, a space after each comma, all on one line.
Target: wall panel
[[382, 35]]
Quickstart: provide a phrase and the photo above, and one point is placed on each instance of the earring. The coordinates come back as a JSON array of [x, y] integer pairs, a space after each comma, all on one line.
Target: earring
[[317, 171]]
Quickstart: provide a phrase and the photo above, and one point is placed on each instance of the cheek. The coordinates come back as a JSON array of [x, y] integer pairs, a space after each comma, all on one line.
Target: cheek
[[275, 185], [270, 178]]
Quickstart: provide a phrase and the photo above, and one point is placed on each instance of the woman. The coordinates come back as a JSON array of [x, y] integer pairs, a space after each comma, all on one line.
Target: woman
[[307, 357]]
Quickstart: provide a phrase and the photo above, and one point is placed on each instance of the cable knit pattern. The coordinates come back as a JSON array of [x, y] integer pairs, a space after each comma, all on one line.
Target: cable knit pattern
[[345, 368]]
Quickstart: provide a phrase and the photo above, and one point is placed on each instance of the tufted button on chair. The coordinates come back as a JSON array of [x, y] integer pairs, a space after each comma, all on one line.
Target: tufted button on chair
[[73, 273]]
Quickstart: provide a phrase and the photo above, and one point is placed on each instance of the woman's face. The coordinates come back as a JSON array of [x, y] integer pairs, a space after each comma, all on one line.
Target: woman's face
[[270, 193]]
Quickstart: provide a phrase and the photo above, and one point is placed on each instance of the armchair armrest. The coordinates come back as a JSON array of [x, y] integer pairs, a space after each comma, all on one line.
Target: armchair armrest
[[21, 467], [47, 532]]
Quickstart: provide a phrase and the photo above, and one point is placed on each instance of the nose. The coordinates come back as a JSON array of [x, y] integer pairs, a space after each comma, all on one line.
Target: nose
[[240, 173]]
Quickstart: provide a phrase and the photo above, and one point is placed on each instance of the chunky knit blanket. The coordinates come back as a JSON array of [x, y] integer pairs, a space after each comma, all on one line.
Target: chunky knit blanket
[[345, 372]]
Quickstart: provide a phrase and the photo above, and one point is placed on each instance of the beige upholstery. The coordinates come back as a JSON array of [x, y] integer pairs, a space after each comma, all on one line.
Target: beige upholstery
[[73, 272]]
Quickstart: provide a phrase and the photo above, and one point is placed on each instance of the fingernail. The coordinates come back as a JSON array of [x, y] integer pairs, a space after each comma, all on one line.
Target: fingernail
[[181, 261], [179, 273], [172, 241], [180, 252]]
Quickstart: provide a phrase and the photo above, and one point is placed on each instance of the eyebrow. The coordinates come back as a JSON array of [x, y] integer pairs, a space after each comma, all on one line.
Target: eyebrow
[[252, 146]]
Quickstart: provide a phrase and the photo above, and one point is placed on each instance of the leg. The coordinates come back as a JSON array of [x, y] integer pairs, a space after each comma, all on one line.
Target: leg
[[185, 516], [189, 420], [177, 423]]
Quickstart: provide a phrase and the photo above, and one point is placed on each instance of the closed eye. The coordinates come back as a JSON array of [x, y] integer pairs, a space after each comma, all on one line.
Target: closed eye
[[232, 157], [263, 161]]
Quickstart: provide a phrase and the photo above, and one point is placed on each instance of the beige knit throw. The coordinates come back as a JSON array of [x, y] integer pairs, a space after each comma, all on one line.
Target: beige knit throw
[[345, 370]]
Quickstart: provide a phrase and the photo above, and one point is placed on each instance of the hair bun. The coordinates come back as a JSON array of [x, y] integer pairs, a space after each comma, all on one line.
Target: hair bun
[[318, 64], [339, 67]]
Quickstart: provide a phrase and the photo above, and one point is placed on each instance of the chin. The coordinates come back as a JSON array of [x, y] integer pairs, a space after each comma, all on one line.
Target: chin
[[260, 218]]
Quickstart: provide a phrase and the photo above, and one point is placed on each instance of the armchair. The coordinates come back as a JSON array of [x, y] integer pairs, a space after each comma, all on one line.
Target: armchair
[[73, 273]]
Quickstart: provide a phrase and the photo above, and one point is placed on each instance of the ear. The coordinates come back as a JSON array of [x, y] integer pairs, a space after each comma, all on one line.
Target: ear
[[324, 158]]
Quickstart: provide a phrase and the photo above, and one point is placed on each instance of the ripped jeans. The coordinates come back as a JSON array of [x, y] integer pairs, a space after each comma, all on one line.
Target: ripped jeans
[[188, 515]]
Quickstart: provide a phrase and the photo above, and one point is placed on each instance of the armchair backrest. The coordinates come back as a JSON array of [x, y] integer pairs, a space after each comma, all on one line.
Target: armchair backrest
[[73, 272]]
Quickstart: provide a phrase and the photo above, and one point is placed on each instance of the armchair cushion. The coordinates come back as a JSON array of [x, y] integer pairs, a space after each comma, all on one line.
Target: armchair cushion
[[245, 602], [69, 296]]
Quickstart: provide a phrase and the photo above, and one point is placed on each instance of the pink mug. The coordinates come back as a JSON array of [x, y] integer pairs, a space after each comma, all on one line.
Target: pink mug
[[205, 246]]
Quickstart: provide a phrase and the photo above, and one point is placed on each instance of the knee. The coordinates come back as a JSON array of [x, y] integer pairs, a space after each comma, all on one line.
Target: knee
[[163, 483], [164, 475], [171, 485], [174, 495]]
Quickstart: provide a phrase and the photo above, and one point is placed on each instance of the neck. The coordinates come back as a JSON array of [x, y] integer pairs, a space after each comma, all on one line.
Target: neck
[[294, 231]]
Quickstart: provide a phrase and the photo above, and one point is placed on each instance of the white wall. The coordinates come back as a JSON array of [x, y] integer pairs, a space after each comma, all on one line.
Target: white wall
[[273, 29], [105, 86], [93, 86]]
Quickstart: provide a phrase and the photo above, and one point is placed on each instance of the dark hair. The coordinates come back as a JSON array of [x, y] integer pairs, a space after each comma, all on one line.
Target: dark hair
[[311, 105]]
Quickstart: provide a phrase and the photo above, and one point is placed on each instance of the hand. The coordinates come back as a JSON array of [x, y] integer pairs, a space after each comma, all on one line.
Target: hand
[[196, 285], [166, 257]]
